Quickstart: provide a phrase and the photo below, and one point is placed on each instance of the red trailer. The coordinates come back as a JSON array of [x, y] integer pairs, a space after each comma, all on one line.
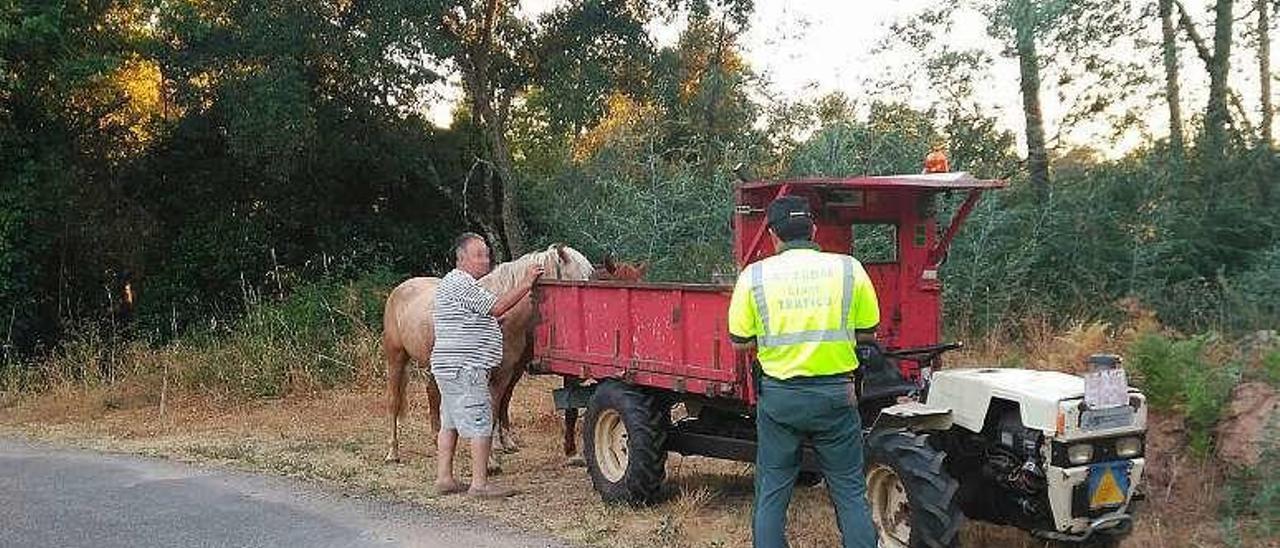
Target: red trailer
[[674, 336], [629, 352]]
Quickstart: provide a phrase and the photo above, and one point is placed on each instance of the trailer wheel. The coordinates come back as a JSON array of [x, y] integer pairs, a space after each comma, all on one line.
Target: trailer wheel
[[624, 443], [913, 499]]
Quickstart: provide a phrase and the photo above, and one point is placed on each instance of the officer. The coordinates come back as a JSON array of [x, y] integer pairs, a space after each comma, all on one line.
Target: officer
[[805, 311]]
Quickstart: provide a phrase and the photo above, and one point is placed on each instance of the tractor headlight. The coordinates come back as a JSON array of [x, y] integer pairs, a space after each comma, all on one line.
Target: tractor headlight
[[1128, 447], [1080, 453]]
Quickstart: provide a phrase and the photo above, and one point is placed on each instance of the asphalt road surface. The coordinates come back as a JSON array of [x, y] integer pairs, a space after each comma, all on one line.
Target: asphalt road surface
[[69, 498]]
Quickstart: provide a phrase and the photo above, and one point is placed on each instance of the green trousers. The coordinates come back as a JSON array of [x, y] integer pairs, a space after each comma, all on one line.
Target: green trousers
[[822, 411]]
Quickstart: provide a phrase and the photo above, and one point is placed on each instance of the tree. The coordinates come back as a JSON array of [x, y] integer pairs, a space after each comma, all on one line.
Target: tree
[[1241, 118], [1266, 143], [702, 85], [501, 56], [1172, 93], [1067, 46], [1216, 115], [1023, 18], [1264, 72], [68, 122]]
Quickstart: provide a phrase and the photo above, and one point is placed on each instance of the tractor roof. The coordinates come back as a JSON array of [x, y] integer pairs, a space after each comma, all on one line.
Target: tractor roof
[[926, 181]]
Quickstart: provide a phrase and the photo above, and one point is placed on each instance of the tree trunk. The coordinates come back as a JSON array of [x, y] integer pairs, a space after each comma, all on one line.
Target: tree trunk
[[1029, 67], [490, 112], [1202, 50], [1266, 146], [510, 210], [1264, 71], [1216, 115], [493, 123], [1171, 92]]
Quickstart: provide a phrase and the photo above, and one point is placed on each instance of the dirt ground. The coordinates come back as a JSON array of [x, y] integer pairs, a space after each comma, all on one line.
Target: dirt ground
[[339, 437]]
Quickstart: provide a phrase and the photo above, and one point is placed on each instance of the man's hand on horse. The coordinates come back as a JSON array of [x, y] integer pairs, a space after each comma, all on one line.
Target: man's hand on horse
[[534, 271]]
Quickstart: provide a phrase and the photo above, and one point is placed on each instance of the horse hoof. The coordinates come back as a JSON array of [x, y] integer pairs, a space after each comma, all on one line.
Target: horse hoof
[[576, 460]]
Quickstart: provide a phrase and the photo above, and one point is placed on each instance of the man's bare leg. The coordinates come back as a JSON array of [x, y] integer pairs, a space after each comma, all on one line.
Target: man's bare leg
[[481, 447], [446, 441]]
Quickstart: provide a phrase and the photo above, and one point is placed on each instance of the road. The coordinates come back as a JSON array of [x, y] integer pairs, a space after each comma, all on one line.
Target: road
[[52, 496]]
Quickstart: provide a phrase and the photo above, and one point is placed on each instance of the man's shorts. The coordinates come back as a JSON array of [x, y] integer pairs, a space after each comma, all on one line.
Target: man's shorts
[[464, 402]]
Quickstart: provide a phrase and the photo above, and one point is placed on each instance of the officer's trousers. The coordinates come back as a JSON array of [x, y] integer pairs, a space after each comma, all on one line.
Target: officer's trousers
[[822, 410]]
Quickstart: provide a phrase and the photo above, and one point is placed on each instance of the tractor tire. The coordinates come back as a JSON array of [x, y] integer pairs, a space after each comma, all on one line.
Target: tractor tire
[[624, 439], [913, 499], [1101, 541]]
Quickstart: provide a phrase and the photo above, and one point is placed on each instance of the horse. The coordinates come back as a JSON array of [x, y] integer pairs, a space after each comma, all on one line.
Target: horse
[[626, 272], [408, 333]]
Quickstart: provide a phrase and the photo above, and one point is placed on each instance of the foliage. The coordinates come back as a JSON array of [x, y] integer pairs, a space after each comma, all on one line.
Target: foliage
[[1271, 367], [258, 146], [1253, 494], [1179, 374], [319, 336]]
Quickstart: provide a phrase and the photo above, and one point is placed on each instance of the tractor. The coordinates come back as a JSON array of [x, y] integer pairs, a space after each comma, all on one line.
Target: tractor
[[1052, 453]]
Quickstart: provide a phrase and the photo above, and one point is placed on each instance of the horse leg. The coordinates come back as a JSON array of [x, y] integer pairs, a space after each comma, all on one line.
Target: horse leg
[[511, 442], [397, 381], [497, 389], [433, 404], [494, 466], [571, 430], [571, 454]]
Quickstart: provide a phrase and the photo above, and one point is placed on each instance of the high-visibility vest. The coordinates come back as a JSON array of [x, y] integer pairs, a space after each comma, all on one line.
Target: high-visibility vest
[[803, 307]]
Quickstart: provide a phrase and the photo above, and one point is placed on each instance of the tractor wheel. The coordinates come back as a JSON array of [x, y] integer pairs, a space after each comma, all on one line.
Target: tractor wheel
[[913, 499], [1098, 541], [624, 439]]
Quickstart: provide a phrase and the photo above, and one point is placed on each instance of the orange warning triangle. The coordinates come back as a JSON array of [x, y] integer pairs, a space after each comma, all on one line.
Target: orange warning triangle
[[1107, 492]]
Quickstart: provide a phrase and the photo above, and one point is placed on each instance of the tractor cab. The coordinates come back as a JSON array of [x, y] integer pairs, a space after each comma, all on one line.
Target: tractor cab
[[890, 224]]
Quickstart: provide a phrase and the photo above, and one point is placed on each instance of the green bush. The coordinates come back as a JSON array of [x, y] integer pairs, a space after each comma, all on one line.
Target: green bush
[[1253, 495], [1271, 367], [319, 335], [298, 340], [1177, 375], [1161, 365], [1207, 392]]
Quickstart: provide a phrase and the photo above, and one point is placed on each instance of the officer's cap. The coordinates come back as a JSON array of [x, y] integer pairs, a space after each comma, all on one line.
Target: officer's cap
[[786, 208]]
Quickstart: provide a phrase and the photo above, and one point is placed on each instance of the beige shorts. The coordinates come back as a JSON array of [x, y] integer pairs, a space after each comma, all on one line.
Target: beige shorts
[[464, 402]]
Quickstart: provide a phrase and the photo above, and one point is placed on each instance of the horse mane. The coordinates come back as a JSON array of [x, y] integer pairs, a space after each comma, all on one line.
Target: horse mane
[[506, 275]]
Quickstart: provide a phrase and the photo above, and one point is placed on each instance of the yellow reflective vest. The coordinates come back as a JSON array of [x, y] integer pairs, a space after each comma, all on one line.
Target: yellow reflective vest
[[802, 307]]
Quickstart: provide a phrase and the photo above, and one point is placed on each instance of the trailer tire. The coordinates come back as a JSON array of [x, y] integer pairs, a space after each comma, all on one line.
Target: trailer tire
[[624, 443], [906, 479]]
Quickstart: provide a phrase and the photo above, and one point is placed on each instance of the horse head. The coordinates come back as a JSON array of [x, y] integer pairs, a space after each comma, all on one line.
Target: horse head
[[566, 263], [623, 271]]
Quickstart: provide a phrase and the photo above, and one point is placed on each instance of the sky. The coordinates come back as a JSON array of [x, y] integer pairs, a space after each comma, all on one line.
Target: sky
[[808, 48]]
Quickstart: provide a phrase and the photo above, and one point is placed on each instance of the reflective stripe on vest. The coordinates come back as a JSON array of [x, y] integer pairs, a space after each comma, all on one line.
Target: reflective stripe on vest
[[774, 340]]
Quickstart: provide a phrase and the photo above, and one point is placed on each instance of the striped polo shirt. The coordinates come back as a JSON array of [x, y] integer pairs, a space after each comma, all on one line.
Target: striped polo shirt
[[466, 334]]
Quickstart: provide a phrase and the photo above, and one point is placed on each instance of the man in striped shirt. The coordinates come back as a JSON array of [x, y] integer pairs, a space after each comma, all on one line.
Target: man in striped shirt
[[468, 344]]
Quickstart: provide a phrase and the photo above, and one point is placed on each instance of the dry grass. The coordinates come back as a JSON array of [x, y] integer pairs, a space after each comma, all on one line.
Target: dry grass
[[338, 436]]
